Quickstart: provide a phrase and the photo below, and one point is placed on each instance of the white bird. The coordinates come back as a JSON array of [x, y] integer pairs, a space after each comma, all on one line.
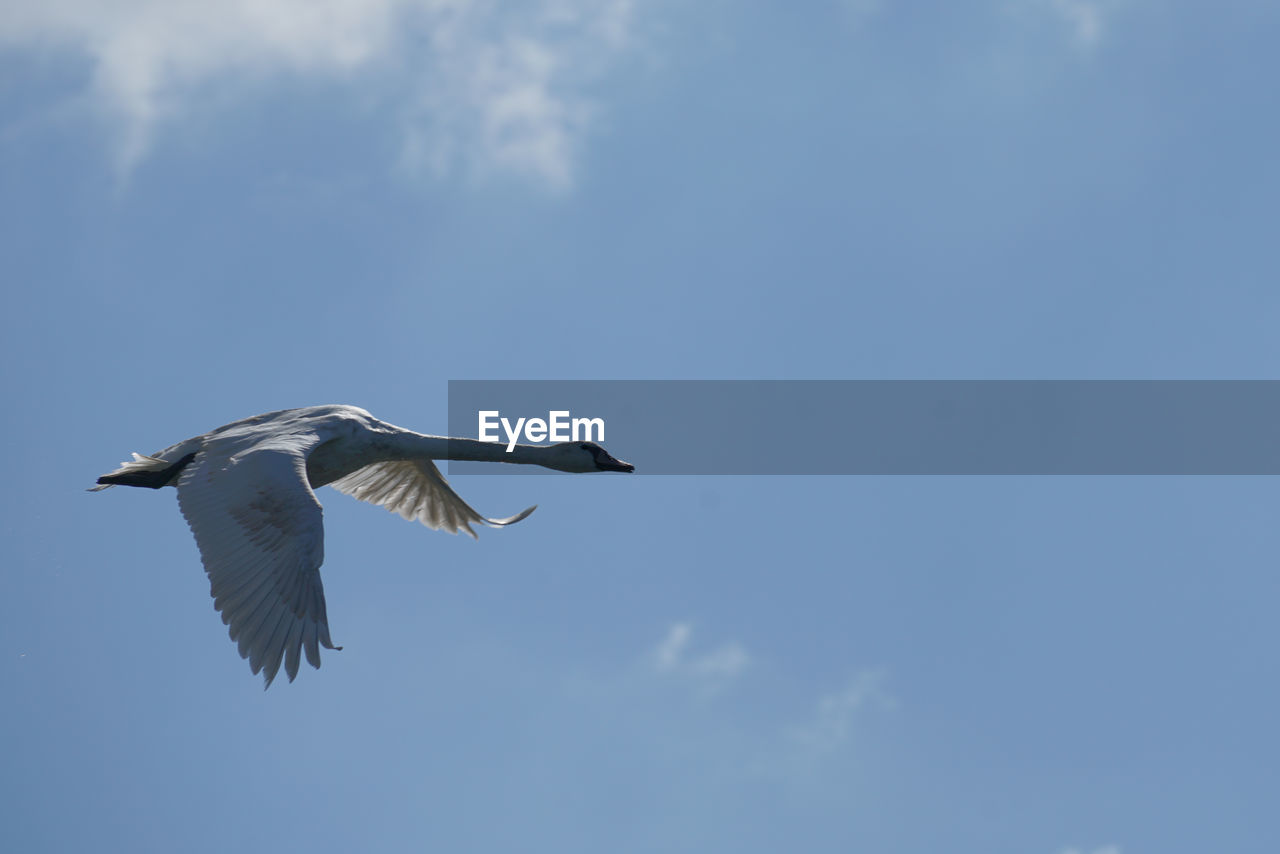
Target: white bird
[[246, 492]]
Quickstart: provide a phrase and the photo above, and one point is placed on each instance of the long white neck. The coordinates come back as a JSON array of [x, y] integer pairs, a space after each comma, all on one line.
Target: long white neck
[[408, 445]]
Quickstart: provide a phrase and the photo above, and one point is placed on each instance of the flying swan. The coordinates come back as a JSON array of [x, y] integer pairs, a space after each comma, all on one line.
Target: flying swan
[[246, 491]]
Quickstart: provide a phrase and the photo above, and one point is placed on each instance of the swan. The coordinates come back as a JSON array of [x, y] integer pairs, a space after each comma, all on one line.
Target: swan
[[246, 491]]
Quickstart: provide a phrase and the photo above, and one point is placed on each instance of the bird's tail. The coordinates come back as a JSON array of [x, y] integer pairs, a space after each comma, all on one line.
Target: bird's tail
[[151, 472]]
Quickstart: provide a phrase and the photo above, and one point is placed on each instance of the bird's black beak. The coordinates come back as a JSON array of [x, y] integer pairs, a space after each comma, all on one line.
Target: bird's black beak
[[606, 462]]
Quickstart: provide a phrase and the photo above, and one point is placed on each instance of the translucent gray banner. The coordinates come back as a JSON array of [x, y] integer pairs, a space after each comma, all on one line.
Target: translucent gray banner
[[931, 427]]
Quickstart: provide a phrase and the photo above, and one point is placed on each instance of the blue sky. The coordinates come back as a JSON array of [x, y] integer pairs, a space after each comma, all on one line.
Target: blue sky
[[213, 210]]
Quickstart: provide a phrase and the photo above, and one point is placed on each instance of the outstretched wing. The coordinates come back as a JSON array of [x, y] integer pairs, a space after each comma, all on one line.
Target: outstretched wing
[[261, 537], [416, 490]]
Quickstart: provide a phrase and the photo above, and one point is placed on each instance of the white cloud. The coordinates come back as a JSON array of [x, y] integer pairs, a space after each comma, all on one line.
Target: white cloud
[[480, 85], [1084, 17], [670, 650], [833, 718], [722, 662], [710, 669]]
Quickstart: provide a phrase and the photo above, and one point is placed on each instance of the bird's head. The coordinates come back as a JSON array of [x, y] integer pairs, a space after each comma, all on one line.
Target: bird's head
[[580, 457]]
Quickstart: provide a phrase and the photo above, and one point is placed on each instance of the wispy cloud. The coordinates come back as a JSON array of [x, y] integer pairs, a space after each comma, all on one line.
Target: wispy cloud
[[1083, 18], [710, 669], [669, 651], [833, 718], [478, 85]]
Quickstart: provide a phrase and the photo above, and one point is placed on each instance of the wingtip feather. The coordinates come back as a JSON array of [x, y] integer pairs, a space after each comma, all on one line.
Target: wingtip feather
[[511, 520]]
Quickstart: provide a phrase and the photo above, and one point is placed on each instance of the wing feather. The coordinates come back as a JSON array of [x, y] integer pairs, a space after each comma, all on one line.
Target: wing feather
[[273, 649], [267, 613], [260, 532], [311, 642], [417, 491], [293, 649]]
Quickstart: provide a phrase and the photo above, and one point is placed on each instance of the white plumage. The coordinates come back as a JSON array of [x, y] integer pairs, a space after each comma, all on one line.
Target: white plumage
[[246, 492]]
